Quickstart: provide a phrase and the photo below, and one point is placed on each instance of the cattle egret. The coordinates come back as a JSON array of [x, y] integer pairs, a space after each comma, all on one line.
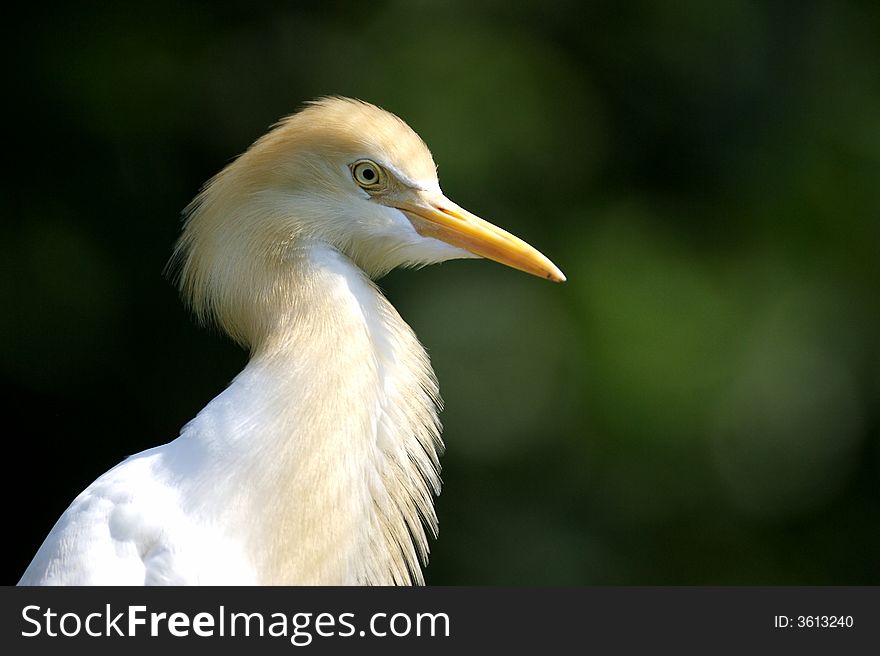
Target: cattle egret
[[318, 464]]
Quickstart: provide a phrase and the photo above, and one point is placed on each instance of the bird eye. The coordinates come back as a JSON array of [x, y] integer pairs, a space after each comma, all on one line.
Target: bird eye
[[366, 173]]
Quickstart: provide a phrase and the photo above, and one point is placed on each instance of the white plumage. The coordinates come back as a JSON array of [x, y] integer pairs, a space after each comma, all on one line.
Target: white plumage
[[318, 464]]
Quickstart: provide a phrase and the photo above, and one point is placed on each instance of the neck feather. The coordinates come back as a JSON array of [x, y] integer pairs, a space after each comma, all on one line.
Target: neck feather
[[326, 445]]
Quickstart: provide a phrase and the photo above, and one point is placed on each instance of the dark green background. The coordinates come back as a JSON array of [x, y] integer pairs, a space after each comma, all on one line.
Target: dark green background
[[698, 404]]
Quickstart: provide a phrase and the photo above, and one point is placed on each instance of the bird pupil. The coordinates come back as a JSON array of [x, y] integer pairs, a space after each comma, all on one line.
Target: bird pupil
[[369, 174]]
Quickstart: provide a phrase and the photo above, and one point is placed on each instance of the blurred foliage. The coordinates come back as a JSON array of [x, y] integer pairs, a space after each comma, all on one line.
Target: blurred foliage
[[698, 404]]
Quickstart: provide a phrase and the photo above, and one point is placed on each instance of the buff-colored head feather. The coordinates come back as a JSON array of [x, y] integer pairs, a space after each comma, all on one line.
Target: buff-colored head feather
[[287, 188]]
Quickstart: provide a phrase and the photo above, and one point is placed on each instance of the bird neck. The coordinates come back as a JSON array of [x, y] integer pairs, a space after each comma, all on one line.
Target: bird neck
[[327, 442]]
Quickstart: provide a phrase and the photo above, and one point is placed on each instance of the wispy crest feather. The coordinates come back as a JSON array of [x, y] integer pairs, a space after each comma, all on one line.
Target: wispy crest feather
[[245, 221]]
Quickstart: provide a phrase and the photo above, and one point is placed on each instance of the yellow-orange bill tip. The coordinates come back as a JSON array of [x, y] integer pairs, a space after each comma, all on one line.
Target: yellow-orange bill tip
[[440, 218]]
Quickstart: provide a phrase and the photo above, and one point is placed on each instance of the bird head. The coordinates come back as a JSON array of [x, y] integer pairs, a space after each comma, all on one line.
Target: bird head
[[342, 172]]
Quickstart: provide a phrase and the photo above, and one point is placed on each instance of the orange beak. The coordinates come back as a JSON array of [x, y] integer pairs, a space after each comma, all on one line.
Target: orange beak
[[438, 217]]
